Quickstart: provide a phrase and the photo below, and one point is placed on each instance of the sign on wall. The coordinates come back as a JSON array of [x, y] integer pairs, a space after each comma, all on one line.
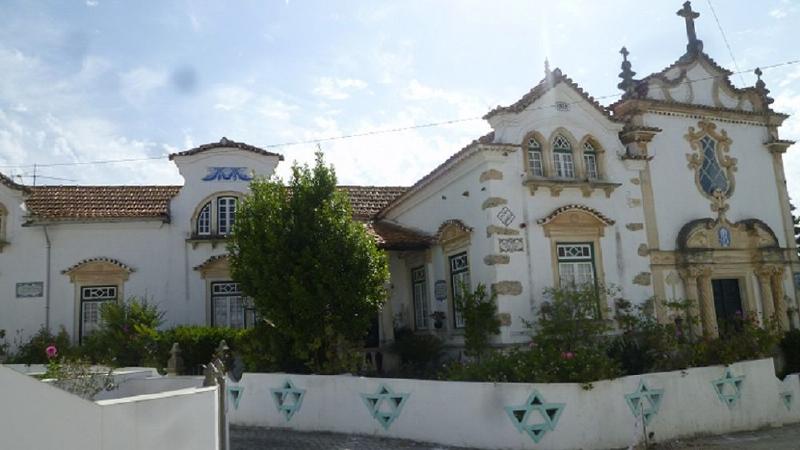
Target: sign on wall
[[440, 290], [30, 289]]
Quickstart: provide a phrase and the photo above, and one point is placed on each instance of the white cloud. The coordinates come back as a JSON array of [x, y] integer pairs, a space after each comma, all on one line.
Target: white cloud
[[778, 13], [137, 84], [92, 3], [231, 98], [338, 88]]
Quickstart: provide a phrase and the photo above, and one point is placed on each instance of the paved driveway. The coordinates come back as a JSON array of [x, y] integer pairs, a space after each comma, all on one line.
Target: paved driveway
[[252, 438]]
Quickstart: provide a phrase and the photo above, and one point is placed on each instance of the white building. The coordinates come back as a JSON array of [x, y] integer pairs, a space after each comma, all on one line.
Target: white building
[[675, 191]]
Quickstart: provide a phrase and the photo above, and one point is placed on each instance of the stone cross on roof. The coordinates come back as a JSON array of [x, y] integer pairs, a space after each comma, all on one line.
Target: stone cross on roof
[[694, 45]]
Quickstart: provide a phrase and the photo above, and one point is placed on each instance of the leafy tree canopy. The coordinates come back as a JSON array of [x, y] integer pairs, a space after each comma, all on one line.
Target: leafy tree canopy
[[313, 271]]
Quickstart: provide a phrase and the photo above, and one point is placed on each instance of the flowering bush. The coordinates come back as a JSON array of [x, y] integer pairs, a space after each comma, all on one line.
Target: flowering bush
[[76, 376], [33, 351]]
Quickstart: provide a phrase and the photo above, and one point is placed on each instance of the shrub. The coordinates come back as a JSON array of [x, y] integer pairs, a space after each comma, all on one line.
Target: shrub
[[746, 341], [127, 335], [197, 343], [3, 346], [791, 350], [33, 351], [480, 319], [418, 352], [644, 345], [77, 376], [570, 345]]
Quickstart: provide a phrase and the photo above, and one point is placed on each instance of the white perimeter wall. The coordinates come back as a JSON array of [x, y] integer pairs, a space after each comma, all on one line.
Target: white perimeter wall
[[473, 414], [36, 416]]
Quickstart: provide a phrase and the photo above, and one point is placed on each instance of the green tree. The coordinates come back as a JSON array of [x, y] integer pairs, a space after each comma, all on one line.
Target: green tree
[[314, 273]]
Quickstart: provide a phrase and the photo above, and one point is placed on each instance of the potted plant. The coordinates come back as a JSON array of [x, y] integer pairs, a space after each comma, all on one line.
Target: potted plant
[[438, 319]]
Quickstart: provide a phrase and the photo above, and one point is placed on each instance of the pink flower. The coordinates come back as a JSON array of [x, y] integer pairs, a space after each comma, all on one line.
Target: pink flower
[[51, 351], [567, 355]]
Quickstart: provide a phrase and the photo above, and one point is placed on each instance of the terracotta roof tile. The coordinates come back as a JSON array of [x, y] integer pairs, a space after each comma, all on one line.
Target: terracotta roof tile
[[390, 236], [368, 200], [597, 214], [225, 142], [546, 84], [100, 202]]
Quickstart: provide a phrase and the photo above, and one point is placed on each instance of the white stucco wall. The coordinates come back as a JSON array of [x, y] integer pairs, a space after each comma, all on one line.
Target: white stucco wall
[[473, 414], [35, 416]]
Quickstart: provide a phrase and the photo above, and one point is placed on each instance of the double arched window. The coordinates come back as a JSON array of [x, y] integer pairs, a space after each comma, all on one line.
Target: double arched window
[[216, 215], [561, 157], [563, 163]]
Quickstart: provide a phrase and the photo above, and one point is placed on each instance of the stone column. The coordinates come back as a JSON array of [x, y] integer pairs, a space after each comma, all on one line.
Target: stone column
[[708, 312], [777, 294], [690, 286], [767, 302]]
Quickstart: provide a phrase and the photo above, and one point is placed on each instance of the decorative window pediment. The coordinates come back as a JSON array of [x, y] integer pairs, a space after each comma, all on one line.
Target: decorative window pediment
[[575, 220], [453, 233], [99, 269]]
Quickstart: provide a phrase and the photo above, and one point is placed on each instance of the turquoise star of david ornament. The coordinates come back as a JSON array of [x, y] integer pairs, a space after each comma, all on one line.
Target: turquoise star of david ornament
[[729, 388], [645, 401], [288, 399], [385, 405], [537, 409]]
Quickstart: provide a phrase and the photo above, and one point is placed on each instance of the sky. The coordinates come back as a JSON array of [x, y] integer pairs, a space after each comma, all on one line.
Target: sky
[[90, 80]]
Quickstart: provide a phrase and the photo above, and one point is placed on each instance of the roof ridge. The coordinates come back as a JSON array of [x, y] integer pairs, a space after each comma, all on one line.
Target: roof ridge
[[224, 142], [550, 81]]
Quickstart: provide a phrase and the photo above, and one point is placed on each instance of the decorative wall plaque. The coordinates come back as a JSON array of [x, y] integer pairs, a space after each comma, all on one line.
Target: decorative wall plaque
[[511, 245], [440, 290], [506, 216], [30, 289]]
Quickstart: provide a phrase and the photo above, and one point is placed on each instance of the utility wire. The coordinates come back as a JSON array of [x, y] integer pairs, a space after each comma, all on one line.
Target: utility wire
[[725, 39], [381, 131]]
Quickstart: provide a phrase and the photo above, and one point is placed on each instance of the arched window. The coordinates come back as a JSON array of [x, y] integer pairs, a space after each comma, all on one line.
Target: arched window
[[216, 217], [590, 160], [535, 162], [204, 220], [563, 164]]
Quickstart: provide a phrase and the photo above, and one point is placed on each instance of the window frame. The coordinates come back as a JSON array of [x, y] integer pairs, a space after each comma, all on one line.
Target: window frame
[[83, 300], [420, 302], [248, 309], [204, 216], [591, 171], [458, 319], [574, 260], [563, 158], [216, 203], [229, 216], [538, 152]]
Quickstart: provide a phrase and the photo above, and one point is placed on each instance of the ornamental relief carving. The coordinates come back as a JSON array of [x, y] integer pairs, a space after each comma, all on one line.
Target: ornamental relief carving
[[710, 161]]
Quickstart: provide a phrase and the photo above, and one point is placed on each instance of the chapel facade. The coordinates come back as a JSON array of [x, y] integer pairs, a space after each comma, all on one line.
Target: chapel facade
[[676, 191]]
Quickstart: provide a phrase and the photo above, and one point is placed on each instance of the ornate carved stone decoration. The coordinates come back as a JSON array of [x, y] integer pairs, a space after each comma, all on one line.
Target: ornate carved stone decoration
[[709, 159]]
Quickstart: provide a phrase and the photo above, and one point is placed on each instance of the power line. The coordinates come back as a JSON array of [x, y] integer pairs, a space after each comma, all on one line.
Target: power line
[[384, 130], [725, 39]]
